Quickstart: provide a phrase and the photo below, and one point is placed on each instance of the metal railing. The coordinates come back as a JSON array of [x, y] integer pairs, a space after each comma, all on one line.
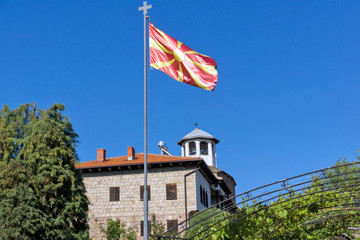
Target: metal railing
[[338, 185]]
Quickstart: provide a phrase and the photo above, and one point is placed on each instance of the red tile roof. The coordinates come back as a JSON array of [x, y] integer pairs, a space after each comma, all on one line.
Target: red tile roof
[[139, 159]]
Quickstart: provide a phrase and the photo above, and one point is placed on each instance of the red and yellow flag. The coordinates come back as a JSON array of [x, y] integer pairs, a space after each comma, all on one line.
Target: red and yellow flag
[[181, 62]]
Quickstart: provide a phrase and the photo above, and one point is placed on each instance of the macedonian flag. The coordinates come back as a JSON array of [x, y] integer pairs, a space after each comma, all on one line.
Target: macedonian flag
[[181, 62]]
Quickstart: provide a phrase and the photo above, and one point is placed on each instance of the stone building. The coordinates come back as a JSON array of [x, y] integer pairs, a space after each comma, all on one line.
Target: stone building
[[114, 185]]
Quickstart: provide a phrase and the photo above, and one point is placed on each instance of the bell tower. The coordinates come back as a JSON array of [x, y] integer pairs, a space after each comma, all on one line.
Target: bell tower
[[199, 143]]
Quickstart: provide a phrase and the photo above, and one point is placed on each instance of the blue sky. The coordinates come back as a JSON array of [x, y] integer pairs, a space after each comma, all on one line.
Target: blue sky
[[287, 99]]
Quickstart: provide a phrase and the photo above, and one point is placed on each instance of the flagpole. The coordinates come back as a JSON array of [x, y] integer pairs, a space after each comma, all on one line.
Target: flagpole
[[144, 8]]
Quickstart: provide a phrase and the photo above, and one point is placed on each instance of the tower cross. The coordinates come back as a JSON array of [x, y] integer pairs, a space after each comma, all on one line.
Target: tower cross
[[196, 124], [145, 7]]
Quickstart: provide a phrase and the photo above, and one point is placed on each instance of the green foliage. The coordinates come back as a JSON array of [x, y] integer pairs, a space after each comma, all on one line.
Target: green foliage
[[200, 226], [116, 230], [42, 195], [325, 209], [156, 227]]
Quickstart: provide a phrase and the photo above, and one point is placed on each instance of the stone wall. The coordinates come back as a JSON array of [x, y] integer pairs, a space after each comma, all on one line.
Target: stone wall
[[129, 209]]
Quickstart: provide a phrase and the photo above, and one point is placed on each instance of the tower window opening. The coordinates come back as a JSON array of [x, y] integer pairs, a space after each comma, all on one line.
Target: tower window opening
[[192, 148], [204, 148]]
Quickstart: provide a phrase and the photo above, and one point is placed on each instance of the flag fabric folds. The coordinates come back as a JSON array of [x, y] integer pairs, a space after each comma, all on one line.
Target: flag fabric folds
[[181, 62]]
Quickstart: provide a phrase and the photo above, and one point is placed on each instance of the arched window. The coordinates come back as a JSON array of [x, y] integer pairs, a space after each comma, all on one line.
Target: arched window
[[201, 194], [204, 197], [192, 148], [206, 200], [204, 148]]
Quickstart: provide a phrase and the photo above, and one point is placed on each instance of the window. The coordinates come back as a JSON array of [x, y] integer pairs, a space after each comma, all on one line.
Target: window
[[171, 224], [114, 193], [192, 148], [142, 192], [206, 200], [204, 197], [142, 227], [204, 148], [171, 191], [222, 199]]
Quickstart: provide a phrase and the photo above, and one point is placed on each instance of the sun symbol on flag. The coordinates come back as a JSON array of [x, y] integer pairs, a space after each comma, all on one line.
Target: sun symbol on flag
[[181, 62], [179, 55]]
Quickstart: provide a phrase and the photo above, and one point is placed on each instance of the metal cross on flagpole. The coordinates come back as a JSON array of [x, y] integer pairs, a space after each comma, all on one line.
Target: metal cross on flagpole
[[144, 8]]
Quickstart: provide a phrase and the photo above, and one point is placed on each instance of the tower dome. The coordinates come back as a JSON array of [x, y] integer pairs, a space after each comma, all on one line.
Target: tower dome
[[199, 143]]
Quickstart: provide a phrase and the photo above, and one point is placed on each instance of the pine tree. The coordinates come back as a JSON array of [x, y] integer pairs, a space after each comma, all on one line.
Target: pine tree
[[42, 195]]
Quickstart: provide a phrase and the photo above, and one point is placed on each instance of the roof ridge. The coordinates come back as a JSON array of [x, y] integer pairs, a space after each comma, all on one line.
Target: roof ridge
[[123, 161], [155, 154]]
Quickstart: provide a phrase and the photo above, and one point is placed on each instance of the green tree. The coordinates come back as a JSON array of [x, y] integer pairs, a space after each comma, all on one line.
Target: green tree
[[42, 195], [156, 227], [116, 230]]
